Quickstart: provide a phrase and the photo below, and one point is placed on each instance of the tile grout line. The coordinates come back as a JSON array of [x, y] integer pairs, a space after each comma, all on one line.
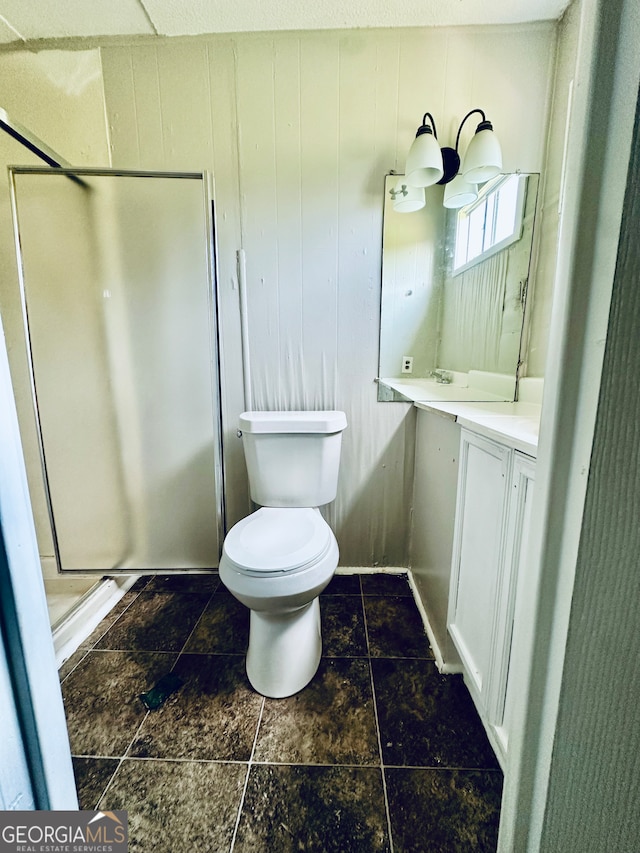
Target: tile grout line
[[246, 781], [466, 768], [106, 787], [73, 669], [197, 622], [176, 760], [131, 742], [122, 758], [375, 712]]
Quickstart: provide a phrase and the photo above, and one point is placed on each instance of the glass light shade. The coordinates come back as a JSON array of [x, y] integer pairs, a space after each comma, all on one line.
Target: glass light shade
[[459, 192], [424, 161], [407, 199], [483, 159]]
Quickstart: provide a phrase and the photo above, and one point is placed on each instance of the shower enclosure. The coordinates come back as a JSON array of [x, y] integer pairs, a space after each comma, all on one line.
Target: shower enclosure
[[117, 281]]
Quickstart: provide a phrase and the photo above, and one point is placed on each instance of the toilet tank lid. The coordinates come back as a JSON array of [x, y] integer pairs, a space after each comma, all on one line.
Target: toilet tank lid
[[293, 422]]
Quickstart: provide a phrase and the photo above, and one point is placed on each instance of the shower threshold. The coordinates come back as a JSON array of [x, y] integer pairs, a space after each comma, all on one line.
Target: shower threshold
[[86, 613]]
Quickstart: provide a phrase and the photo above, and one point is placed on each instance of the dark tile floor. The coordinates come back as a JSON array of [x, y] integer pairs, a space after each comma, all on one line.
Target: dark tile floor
[[379, 753]]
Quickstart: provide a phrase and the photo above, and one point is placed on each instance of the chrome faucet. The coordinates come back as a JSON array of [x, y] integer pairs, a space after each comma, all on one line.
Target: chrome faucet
[[442, 377]]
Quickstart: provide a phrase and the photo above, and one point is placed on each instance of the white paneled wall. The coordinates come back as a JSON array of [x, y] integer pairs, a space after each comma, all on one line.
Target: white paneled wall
[[299, 130]]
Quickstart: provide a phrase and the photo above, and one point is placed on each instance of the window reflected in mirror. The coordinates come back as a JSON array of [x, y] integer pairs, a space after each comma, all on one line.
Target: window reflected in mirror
[[491, 223]]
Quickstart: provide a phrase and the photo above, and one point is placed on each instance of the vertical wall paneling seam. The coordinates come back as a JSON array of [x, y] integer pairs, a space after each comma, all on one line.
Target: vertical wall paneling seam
[[216, 270], [160, 105], [290, 271], [330, 388], [134, 105], [240, 254], [329, 381], [376, 214], [397, 105], [333, 374], [217, 304], [444, 112], [244, 329], [212, 138], [276, 284], [237, 141], [299, 181], [304, 252], [300, 205], [378, 116], [107, 126]]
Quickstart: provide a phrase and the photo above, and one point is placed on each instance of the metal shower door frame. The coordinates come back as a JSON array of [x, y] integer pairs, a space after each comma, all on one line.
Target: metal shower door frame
[[77, 175]]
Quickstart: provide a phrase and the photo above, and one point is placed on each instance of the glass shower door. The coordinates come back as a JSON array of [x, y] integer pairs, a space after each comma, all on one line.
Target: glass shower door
[[117, 281]]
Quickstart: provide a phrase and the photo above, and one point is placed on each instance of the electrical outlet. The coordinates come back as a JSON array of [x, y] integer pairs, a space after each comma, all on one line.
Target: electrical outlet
[[407, 364]]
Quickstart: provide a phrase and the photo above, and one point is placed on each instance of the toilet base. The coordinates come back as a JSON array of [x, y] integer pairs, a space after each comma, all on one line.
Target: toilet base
[[284, 650]]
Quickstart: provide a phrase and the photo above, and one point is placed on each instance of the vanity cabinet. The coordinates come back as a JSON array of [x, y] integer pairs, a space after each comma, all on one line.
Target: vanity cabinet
[[495, 487]]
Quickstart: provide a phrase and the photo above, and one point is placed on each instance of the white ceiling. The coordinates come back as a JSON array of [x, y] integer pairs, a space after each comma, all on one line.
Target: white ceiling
[[21, 20]]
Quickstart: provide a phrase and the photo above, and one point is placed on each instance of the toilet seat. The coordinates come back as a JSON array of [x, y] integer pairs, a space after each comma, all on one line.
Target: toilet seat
[[277, 541]]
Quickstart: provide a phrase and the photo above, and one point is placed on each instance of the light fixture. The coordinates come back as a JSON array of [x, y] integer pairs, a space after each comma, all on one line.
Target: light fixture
[[459, 192], [429, 164], [483, 159], [406, 199], [424, 160]]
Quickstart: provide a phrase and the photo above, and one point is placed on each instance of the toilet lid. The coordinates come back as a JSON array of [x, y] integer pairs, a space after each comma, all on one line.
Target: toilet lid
[[274, 540]]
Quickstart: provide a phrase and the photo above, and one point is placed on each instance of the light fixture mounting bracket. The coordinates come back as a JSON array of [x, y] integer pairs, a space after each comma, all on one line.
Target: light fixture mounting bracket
[[450, 164], [450, 156]]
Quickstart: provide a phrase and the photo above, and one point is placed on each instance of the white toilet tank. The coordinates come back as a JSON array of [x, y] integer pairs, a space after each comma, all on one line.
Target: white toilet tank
[[292, 457]]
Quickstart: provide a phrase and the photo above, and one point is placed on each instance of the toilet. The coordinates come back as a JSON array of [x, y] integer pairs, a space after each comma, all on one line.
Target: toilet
[[278, 560]]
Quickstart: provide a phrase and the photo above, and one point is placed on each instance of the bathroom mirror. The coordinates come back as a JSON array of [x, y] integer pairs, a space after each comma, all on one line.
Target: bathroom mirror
[[454, 288]]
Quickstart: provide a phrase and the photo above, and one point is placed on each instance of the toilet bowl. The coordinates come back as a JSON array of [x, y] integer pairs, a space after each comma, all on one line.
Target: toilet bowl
[[278, 560]]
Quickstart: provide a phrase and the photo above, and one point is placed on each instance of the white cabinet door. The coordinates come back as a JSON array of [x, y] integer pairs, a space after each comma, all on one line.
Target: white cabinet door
[[493, 514], [478, 557], [517, 548]]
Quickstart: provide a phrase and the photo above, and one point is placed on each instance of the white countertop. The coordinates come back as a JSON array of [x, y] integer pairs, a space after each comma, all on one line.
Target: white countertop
[[513, 424], [415, 390]]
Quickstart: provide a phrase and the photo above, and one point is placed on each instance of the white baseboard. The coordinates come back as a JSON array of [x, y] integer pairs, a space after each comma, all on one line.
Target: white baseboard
[[87, 615], [443, 667], [371, 570]]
